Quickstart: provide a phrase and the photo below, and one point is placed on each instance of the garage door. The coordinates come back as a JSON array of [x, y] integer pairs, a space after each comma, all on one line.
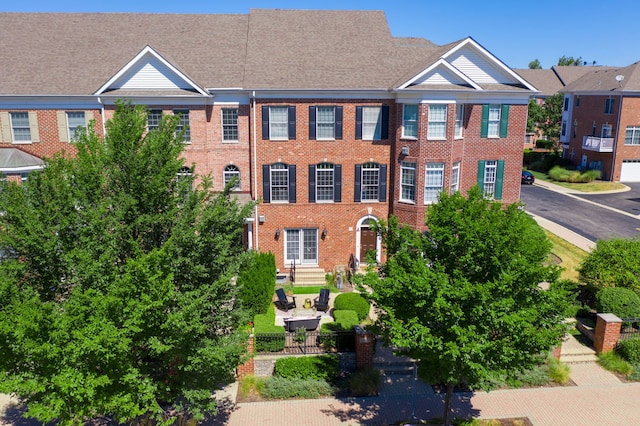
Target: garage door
[[630, 171]]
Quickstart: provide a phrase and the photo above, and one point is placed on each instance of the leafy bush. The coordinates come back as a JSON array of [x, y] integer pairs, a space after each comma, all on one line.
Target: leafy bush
[[546, 162], [257, 281], [575, 176], [323, 367], [265, 323], [629, 349], [623, 302], [365, 382], [352, 302], [613, 362], [282, 388], [613, 263], [543, 143]]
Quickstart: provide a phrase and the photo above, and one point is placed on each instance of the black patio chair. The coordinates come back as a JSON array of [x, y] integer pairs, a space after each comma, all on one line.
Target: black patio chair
[[283, 301], [321, 303]]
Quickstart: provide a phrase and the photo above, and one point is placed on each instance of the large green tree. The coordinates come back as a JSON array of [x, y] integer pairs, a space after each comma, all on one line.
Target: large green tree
[[463, 297], [117, 297], [613, 263]]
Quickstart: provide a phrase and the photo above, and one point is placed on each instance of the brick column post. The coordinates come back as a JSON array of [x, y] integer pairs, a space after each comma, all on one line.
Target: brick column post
[[607, 332], [365, 345], [248, 367]]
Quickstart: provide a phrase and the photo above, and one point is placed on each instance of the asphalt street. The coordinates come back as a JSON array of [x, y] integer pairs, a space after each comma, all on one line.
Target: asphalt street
[[593, 216]]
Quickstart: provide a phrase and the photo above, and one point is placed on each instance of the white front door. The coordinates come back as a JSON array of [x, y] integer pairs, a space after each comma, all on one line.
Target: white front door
[[301, 246]]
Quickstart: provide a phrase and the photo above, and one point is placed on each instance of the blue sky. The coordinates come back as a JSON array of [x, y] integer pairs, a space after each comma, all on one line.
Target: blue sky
[[516, 31]]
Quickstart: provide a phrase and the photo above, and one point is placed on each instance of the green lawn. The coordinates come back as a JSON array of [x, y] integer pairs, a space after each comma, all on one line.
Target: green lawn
[[595, 186], [569, 256]]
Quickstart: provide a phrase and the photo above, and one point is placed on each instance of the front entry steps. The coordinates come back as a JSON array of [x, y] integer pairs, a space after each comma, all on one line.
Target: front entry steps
[[310, 276], [574, 351]]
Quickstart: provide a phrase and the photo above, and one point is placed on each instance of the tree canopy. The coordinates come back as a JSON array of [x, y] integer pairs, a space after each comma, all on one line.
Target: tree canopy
[[535, 65], [463, 297], [613, 263], [570, 61], [118, 299]]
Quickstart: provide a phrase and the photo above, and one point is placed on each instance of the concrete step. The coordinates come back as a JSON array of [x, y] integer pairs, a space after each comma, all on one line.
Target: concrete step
[[310, 277], [578, 358]]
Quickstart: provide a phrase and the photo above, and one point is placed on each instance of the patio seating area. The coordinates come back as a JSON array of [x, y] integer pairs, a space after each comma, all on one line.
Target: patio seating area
[[300, 312]]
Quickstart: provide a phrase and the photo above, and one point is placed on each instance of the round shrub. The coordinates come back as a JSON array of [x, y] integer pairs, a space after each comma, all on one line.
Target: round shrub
[[352, 302], [630, 350], [622, 302]]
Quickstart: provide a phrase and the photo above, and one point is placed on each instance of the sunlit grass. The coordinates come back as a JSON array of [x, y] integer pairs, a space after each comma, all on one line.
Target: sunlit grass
[[595, 186], [570, 256]]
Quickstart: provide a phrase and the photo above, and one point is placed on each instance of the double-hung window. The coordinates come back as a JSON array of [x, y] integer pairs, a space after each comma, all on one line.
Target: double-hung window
[[279, 183], [20, 128], [154, 116], [495, 121], [490, 178], [75, 124], [229, 124], [325, 122], [437, 122], [183, 125], [232, 174], [632, 135], [372, 122], [433, 182], [459, 121], [606, 131], [370, 182], [410, 121], [408, 181], [278, 123], [325, 182], [455, 177]]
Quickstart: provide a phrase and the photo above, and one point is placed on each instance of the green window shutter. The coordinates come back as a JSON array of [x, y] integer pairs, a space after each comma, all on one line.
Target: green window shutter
[[5, 123], [499, 180], [504, 120], [63, 133], [481, 174], [484, 126], [33, 126]]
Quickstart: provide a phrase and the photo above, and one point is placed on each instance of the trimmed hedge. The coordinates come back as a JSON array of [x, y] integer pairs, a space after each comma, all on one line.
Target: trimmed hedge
[[257, 282], [622, 302], [630, 350], [352, 302], [265, 323], [322, 367], [281, 388]]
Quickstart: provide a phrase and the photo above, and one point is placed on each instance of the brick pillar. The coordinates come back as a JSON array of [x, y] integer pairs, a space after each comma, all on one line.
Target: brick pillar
[[247, 368], [607, 332], [365, 346]]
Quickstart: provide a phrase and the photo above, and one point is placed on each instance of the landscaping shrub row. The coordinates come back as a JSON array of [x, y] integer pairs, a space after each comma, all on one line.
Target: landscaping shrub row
[[574, 176]]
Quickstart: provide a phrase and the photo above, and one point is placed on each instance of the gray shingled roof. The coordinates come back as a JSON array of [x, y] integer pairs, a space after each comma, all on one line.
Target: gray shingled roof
[[76, 53], [604, 80], [12, 158], [546, 81]]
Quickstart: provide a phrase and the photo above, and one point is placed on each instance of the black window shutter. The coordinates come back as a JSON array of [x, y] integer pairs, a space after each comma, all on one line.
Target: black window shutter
[[266, 183], [312, 122], [338, 128], [358, 123], [384, 131], [382, 183], [337, 183], [265, 123], [292, 183], [292, 122], [357, 188], [312, 183]]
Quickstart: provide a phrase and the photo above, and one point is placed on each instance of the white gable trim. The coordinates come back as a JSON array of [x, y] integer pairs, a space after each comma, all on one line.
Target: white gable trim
[[145, 58], [490, 58], [441, 63]]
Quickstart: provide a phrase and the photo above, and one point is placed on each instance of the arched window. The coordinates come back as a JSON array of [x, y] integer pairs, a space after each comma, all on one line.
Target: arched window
[[232, 173]]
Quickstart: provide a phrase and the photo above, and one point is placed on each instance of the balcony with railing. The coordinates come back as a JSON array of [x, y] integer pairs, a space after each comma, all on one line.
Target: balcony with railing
[[594, 143]]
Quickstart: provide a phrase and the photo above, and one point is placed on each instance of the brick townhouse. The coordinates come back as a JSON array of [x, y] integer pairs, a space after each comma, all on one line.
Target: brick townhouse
[[325, 118]]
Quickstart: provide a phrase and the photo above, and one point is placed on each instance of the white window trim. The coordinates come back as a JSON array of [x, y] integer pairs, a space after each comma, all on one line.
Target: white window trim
[[404, 166], [66, 114], [271, 122], [455, 177], [430, 121], [459, 124], [231, 141], [635, 130], [332, 138], [605, 127], [490, 164], [378, 123], [271, 185], [404, 135], [13, 136], [426, 170], [333, 182], [179, 112], [232, 174], [362, 190], [489, 121]]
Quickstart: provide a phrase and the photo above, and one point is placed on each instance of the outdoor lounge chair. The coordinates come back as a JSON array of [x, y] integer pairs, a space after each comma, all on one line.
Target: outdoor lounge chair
[[321, 303], [283, 301]]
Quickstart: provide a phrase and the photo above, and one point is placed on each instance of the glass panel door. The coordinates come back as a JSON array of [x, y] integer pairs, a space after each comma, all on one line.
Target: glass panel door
[[310, 246], [292, 246], [301, 246]]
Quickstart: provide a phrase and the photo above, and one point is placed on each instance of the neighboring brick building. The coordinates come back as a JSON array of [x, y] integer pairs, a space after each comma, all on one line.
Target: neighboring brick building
[[601, 122], [326, 118]]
